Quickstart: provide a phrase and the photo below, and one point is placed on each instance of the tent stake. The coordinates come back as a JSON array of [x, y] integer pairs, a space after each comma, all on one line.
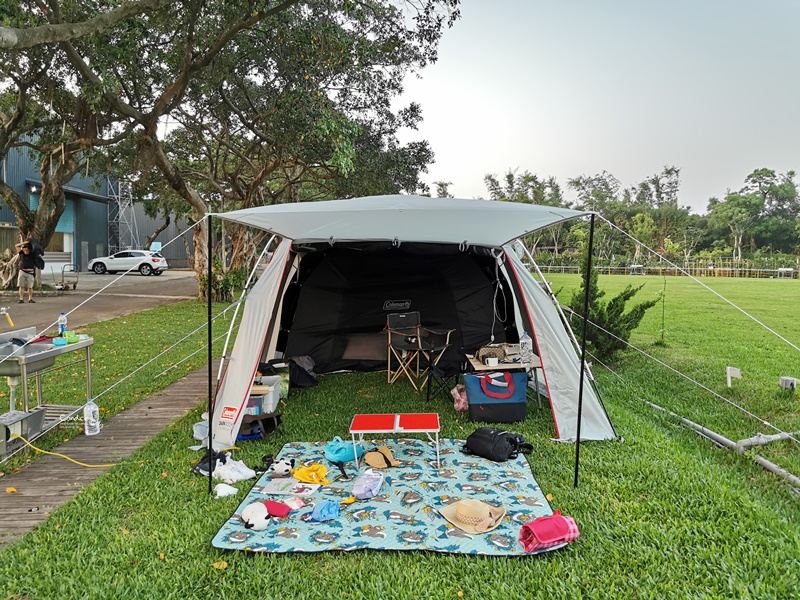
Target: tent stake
[[211, 461], [583, 346]]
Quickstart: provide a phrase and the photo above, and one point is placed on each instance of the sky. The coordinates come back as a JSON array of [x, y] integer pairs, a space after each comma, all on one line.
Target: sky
[[575, 87]]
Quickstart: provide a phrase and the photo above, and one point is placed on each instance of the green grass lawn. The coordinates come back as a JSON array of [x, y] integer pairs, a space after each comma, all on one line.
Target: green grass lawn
[[703, 334], [663, 515]]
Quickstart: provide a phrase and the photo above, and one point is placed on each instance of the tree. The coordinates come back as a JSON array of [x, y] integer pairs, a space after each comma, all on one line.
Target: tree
[[443, 189], [776, 228], [15, 38], [691, 235], [738, 212], [286, 88], [643, 229], [45, 116], [531, 189], [595, 192], [660, 189]]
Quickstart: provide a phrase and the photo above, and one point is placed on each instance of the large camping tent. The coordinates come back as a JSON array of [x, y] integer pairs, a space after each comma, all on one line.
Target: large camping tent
[[343, 265]]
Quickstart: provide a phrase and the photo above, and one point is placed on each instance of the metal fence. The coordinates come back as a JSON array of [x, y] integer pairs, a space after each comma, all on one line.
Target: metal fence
[[694, 270]]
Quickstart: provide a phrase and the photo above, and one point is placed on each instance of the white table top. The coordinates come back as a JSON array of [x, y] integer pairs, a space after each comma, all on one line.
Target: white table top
[[504, 366]]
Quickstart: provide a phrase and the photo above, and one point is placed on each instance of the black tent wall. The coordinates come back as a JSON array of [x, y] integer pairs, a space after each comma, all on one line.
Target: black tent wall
[[344, 292]]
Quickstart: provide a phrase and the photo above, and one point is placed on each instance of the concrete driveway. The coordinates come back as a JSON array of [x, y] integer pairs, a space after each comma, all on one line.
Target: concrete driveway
[[98, 298]]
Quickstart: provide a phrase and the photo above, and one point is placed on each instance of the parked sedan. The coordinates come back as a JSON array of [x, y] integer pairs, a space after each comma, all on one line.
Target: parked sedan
[[144, 261]]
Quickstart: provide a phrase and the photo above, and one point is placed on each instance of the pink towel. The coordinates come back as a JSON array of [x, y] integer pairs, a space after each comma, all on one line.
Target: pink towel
[[546, 532]]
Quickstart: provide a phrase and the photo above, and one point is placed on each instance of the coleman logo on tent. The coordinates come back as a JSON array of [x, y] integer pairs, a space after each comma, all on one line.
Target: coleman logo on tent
[[397, 305]]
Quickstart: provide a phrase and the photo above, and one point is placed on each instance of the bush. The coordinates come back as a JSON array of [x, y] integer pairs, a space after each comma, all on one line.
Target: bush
[[607, 316]]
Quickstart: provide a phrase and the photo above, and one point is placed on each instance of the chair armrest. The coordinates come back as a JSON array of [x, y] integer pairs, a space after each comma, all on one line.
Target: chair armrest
[[405, 331], [436, 338]]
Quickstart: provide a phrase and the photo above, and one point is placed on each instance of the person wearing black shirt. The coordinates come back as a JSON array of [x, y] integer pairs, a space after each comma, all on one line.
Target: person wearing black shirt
[[27, 271]]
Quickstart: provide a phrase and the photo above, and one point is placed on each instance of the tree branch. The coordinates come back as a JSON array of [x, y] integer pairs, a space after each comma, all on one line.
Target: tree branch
[[12, 38]]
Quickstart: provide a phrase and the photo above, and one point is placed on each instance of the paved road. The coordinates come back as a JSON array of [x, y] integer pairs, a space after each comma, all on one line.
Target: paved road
[[122, 295]]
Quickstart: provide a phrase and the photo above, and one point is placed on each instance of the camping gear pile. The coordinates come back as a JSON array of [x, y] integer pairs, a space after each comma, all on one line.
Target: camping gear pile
[[399, 500]]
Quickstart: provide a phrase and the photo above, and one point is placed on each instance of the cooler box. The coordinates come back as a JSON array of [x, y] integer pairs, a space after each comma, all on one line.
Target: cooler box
[[497, 397]]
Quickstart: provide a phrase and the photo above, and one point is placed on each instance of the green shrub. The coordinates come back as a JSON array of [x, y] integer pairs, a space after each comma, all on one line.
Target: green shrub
[[607, 316]]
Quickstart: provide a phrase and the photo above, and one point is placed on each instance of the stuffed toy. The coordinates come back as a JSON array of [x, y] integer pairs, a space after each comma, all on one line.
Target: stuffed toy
[[282, 467], [255, 516]]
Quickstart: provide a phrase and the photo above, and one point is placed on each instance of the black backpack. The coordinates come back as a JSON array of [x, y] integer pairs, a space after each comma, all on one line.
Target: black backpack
[[301, 372], [495, 444]]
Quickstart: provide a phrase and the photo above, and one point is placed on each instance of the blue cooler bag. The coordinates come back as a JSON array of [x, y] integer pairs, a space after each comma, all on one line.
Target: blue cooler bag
[[496, 397]]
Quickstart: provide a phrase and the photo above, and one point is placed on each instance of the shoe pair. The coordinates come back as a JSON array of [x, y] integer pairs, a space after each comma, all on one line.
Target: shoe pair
[[202, 467], [32, 301]]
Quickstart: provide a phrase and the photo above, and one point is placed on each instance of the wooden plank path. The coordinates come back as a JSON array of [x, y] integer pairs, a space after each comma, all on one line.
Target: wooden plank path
[[50, 481]]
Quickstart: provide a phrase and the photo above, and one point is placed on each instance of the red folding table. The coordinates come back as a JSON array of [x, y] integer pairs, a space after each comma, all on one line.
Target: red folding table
[[389, 423]]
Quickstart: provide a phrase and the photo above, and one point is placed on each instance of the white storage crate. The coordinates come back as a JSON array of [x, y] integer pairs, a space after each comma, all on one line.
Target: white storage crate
[[269, 389]]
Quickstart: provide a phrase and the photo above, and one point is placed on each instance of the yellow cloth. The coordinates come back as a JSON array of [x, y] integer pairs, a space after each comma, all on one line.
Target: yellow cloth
[[314, 473]]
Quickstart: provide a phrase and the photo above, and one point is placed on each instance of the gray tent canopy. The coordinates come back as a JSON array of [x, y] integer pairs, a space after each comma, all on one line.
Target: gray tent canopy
[[344, 264]]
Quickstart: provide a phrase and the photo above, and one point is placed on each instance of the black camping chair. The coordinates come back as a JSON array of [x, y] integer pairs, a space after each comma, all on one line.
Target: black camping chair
[[403, 333], [433, 343]]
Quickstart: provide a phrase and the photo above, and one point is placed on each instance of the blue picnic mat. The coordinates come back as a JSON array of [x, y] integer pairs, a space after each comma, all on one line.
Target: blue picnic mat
[[404, 516]]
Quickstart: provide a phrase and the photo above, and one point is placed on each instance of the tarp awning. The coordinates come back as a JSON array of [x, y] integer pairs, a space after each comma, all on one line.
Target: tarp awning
[[405, 219]]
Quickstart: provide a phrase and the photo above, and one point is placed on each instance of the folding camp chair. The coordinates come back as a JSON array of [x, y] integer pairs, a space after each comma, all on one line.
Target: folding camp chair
[[433, 344], [403, 333]]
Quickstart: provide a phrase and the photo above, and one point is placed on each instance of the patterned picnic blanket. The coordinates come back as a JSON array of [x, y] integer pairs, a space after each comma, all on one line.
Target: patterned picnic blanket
[[404, 516]]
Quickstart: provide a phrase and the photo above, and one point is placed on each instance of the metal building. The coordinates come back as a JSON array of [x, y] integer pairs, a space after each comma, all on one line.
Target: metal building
[[84, 230]]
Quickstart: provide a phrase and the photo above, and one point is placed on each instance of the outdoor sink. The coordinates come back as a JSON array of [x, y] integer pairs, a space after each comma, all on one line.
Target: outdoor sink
[[10, 367]]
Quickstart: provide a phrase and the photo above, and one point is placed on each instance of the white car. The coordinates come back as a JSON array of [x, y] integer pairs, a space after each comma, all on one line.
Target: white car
[[144, 261]]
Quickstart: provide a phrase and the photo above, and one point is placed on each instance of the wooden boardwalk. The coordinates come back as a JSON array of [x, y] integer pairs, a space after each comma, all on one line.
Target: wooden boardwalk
[[50, 481]]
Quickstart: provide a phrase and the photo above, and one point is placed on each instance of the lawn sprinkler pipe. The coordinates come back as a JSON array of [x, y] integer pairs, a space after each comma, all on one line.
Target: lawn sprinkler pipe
[[721, 440], [762, 440]]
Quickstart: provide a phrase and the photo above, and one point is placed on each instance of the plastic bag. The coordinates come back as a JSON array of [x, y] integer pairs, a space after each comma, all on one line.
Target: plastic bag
[[459, 394]]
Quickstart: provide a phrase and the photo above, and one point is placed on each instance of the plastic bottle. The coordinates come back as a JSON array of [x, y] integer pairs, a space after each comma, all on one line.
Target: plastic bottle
[[91, 418], [62, 324], [526, 348]]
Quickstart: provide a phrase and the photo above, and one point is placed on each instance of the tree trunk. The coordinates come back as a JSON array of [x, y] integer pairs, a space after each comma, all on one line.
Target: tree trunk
[[175, 179]]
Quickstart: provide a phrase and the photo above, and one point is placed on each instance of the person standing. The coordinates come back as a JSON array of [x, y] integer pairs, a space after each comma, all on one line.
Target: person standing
[[27, 271]]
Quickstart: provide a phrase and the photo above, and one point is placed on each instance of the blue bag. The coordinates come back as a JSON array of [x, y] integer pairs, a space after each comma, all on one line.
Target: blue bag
[[338, 451], [498, 399]]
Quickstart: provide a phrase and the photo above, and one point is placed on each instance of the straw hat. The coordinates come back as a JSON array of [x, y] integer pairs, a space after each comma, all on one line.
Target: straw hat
[[381, 458], [473, 516]]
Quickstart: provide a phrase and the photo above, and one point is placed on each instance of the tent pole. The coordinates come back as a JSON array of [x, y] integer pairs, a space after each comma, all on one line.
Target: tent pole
[[210, 360], [583, 345]]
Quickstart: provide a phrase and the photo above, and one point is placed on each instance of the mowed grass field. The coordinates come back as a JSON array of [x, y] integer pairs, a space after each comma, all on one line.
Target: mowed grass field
[[662, 514], [703, 334]]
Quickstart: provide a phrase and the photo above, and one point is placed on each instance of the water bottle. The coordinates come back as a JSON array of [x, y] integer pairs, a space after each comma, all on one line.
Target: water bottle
[[62, 324], [526, 348], [91, 418]]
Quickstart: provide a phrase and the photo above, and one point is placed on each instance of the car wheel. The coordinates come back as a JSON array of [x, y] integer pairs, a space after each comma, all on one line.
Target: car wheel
[[145, 269], [157, 272], [99, 268]]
